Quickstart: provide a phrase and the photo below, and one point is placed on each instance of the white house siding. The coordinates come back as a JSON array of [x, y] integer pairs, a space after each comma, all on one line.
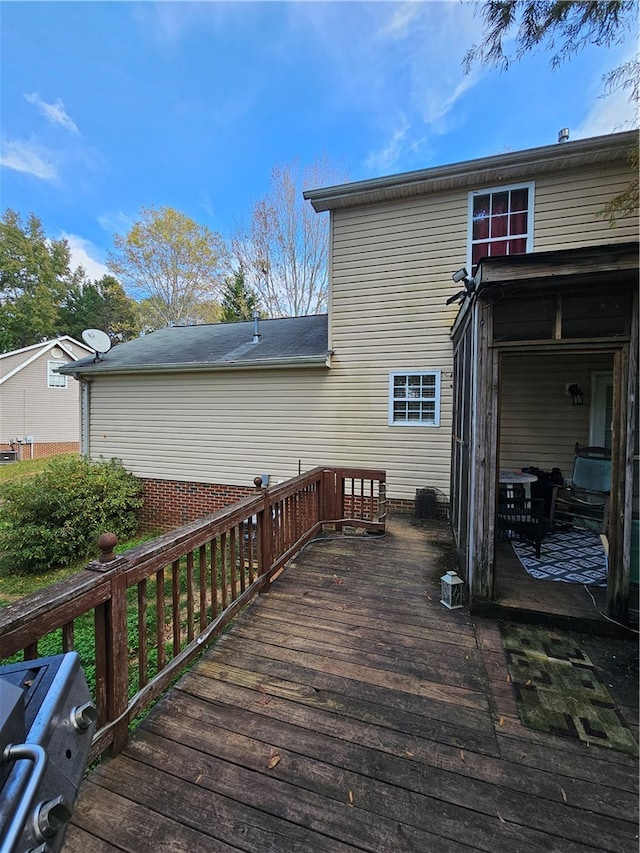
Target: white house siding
[[539, 426], [219, 427], [29, 407], [567, 207]]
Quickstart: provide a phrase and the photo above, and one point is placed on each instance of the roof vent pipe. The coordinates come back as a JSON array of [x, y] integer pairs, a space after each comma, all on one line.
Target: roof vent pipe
[[563, 135], [256, 333]]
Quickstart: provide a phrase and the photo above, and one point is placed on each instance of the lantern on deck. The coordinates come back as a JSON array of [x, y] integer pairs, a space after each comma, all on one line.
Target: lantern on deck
[[451, 591]]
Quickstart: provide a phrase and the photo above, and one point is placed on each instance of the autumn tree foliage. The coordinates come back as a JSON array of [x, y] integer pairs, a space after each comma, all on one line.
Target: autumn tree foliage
[[171, 263]]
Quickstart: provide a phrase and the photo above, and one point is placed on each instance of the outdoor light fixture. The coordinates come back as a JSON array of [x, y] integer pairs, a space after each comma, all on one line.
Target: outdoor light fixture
[[462, 275], [451, 591], [576, 394]]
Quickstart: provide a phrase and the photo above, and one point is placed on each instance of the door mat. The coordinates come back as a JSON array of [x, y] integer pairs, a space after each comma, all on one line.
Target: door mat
[[558, 689], [572, 556]]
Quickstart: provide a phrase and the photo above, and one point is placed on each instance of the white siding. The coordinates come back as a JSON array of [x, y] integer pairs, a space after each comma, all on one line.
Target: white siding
[[29, 407]]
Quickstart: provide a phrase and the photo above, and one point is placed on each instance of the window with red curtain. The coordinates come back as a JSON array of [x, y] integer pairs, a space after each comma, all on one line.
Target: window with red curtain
[[501, 222]]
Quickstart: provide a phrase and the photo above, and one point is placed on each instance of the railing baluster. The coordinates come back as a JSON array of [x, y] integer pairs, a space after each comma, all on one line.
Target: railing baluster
[[202, 569], [68, 637], [223, 569], [190, 598], [143, 649], [242, 556], [232, 558], [214, 578], [160, 619], [175, 605]]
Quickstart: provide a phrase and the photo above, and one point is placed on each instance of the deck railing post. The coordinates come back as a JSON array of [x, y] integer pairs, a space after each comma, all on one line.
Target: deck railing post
[[266, 538], [117, 650]]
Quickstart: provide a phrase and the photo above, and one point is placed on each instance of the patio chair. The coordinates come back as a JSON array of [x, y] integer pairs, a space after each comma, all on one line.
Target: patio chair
[[523, 519], [585, 503]]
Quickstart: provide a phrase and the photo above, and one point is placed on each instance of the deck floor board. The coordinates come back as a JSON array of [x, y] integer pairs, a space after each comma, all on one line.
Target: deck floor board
[[348, 710]]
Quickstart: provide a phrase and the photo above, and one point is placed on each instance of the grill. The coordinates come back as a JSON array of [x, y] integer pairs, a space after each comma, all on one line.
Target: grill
[[47, 721]]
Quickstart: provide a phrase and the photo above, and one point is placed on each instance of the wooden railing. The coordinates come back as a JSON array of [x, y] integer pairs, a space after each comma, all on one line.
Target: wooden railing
[[146, 614]]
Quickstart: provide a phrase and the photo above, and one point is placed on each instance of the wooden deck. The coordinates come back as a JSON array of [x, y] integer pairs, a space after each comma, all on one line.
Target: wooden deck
[[348, 710]]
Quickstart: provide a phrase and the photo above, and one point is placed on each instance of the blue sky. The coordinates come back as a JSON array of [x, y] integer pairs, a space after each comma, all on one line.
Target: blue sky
[[110, 107]]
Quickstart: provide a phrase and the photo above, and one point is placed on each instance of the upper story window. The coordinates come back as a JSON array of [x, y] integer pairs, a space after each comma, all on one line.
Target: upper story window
[[414, 398], [54, 379], [500, 222]]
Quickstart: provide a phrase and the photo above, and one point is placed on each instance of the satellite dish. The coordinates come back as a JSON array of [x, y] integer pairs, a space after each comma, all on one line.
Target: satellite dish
[[97, 340]]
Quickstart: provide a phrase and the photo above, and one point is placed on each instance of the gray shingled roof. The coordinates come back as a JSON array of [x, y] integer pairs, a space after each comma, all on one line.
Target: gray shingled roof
[[290, 341]]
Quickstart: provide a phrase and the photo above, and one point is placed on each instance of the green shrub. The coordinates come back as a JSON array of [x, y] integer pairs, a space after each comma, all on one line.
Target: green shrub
[[54, 518]]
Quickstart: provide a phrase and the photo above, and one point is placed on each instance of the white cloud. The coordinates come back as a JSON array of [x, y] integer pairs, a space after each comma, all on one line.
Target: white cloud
[[54, 113], [608, 114], [29, 158], [84, 254], [115, 221]]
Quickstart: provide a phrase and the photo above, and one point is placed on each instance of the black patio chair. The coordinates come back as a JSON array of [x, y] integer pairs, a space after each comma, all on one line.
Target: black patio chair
[[522, 518]]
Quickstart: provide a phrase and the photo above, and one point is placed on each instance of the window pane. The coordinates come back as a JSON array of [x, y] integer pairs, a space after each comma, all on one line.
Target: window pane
[[499, 248], [518, 247], [481, 207], [480, 229], [520, 199], [518, 223], [479, 250], [499, 226], [500, 203]]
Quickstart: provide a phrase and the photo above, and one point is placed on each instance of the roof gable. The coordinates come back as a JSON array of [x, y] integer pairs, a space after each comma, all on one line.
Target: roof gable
[[22, 358]]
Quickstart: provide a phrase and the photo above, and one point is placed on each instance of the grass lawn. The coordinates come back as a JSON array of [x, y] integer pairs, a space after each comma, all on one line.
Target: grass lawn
[[11, 472]]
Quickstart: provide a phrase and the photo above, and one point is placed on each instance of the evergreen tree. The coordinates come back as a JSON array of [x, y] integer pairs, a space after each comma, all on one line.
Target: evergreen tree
[[239, 301]]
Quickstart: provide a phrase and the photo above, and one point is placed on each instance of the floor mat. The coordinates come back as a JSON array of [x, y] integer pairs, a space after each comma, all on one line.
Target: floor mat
[[572, 556], [559, 691]]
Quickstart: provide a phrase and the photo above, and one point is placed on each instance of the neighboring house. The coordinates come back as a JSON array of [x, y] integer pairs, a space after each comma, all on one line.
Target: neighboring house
[[39, 407], [198, 424]]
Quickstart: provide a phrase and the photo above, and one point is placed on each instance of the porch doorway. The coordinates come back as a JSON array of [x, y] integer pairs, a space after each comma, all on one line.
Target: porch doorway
[[539, 425]]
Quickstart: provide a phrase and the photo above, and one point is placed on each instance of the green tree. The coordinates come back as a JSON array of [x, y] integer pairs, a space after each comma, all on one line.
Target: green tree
[[564, 27], [169, 259], [239, 301], [101, 304], [34, 277], [283, 248]]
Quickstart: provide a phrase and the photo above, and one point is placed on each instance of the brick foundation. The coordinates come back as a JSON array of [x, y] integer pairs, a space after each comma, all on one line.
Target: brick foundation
[[43, 449], [171, 503]]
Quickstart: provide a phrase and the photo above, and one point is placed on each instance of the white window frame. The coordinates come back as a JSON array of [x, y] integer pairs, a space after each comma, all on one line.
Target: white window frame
[[436, 398], [528, 185], [55, 380]]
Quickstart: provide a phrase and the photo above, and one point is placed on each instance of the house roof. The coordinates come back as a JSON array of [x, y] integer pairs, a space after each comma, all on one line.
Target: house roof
[[487, 171], [284, 342], [18, 359]]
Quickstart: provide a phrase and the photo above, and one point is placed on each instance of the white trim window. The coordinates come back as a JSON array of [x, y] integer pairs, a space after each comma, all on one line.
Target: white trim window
[[414, 398], [55, 379], [500, 222]]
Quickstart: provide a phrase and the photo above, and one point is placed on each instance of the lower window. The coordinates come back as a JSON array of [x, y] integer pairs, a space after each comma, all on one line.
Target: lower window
[[414, 398]]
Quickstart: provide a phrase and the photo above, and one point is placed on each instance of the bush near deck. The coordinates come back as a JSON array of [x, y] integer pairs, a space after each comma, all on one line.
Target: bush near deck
[[54, 518]]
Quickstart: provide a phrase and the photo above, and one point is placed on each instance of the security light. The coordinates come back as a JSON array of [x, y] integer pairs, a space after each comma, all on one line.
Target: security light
[[461, 275]]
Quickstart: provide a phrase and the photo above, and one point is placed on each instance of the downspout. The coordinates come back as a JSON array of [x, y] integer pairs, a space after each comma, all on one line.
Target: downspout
[[85, 400]]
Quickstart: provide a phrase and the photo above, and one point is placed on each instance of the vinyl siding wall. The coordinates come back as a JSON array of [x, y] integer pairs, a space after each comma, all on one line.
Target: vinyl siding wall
[[538, 425], [391, 266], [29, 407]]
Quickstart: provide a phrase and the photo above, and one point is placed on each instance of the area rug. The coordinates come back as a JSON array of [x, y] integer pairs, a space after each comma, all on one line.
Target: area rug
[[572, 556], [559, 691]]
